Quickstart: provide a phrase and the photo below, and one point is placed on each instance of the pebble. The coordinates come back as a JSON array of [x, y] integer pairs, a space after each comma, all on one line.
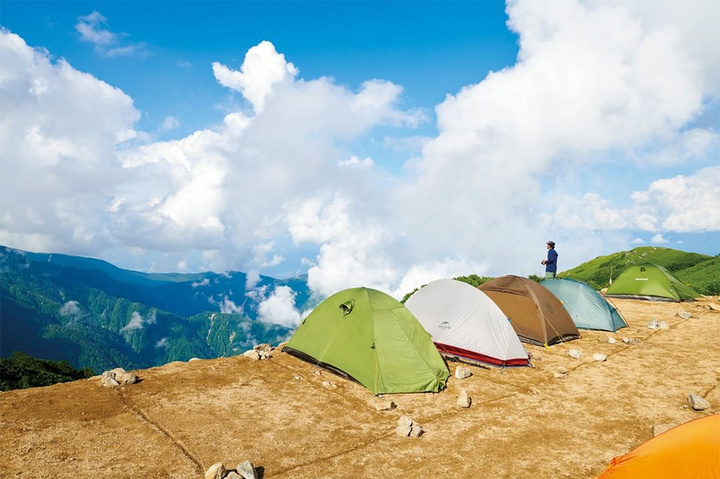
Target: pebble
[[683, 315], [600, 357], [697, 403], [463, 399], [575, 353], [653, 324], [247, 470], [216, 471], [658, 429], [664, 325], [385, 406], [461, 372], [252, 354]]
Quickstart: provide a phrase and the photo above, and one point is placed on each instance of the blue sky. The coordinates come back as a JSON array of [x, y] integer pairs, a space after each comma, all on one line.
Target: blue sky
[[375, 143], [425, 48]]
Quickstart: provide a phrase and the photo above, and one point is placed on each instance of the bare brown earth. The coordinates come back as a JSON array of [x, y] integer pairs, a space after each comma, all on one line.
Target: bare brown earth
[[523, 423]]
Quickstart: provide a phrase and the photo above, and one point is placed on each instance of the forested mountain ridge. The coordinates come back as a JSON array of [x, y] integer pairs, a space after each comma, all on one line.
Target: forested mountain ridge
[[98, 316]]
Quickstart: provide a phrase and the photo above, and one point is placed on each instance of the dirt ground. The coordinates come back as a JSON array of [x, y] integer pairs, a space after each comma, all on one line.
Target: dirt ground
[[523, 423]]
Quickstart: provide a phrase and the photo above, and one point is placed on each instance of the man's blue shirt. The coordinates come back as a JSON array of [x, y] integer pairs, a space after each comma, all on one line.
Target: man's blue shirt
[[551, 264]]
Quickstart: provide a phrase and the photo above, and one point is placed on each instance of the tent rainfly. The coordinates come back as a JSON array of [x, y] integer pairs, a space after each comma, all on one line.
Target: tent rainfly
[[370, 337], [465, 323], [587, 307], [689, 450], [536, 315], [652, 282]]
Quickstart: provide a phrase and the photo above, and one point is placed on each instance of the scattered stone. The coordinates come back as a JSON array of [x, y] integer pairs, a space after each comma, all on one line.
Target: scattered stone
[[630, 340], [603, 291], [404, 427], [562, 369], [317, 372], [247, 470], [653, 324], [697, 403], [461, 372], [252, 354], [116, 377], [262, 347], [416, 430], [329, 385], [575, 353], [297, 378], [611, 340], [658, 429], [664, 325], [216, 471], [463, 399], [194, 359], [385, 406], [713, 307], [600, 357], [560, 375], [683, 315], [233, 475]]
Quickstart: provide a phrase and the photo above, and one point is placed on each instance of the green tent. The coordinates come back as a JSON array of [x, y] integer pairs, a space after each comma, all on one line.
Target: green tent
[[587, 308], [372, 338], [650, 281]]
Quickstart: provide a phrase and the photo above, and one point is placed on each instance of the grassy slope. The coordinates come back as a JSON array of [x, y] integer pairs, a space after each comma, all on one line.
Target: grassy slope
[[701, 271]]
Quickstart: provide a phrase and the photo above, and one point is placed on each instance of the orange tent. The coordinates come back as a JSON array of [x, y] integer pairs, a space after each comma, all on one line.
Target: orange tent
[[691, 450]]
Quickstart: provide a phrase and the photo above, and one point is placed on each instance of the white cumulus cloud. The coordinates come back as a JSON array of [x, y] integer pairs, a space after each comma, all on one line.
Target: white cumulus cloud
[[279, 308]]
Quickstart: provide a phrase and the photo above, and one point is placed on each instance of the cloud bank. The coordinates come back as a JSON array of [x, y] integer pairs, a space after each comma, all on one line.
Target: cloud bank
[[597, 87]]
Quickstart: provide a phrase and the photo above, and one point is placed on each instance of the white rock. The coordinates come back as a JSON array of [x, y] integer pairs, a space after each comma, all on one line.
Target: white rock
[[416, 430], [683, 315], [233, 475], [110, 382], [297, 378], [461, 372], [216, 471], [385, 406], [405, 421], [561, 370], [653, 324], [664, 325], [193, 359], [658, 429], [713, 307], [599, 357], [252, 354], [463, 399], [247, 470], [575, 353], [697, 403], [403, 431]]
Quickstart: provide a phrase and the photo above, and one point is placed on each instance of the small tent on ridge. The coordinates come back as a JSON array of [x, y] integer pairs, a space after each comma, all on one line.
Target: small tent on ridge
[[587, 308], [652, 282], [536, 315], [689, 450], [370, 337], [465, 323]]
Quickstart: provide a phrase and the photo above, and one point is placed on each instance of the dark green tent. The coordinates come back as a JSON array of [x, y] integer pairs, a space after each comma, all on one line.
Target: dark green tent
[[372, 338], [650, 281]]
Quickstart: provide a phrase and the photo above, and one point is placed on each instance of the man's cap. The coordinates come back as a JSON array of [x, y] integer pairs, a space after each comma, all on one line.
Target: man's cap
[[551, 243]]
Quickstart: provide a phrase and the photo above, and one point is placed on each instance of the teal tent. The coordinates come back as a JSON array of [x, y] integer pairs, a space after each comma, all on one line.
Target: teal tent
[[587, 308]]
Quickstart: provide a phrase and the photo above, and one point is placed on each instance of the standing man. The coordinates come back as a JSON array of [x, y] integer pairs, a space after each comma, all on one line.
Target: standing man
[[551, 261]]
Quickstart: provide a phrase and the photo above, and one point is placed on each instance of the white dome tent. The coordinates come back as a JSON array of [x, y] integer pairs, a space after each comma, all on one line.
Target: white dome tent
[[465, 323]]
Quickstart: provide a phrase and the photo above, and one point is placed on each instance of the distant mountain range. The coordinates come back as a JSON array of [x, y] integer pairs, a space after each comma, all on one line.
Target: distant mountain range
[[98, 316], [699, 271]]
